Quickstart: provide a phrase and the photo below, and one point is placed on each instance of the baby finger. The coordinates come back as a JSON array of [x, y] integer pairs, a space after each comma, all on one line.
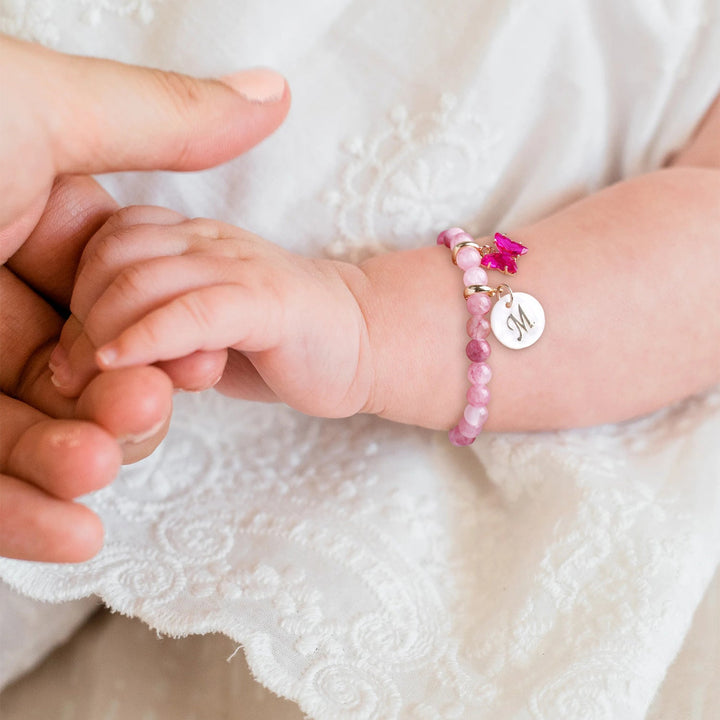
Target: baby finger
[[211, 318]]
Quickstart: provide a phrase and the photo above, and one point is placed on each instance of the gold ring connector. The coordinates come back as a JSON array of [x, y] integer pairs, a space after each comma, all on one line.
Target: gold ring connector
[[460, 245], [503, 289], [472, 289]]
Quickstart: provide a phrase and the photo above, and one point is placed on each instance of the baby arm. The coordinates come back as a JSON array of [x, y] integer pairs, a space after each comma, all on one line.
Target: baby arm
[[628, 281], [626, 276]]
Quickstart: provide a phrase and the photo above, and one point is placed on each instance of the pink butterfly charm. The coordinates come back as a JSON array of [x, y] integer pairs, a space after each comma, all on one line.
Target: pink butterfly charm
[[504, 258]]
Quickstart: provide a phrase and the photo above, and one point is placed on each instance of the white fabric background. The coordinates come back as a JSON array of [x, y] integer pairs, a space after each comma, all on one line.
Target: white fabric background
[[370, 570], [143, 675]]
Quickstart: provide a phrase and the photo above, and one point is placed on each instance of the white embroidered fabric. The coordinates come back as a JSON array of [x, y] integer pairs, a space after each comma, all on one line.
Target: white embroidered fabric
[[369, 569]]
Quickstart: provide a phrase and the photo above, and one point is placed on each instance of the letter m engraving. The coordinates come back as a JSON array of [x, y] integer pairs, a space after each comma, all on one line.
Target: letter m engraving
[[524, 323]]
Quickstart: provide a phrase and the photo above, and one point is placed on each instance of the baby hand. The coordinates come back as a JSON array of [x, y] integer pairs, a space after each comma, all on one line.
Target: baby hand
[[153, 286]]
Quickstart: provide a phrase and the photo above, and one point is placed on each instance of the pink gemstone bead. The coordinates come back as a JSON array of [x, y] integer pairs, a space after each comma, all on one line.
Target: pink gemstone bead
[[446, 236], [478, 395], [475, 415], [475, 276], [478, 304], [477, 327], [468, 257], [458, 439], [479, 373], [469, 429], [478, 350]]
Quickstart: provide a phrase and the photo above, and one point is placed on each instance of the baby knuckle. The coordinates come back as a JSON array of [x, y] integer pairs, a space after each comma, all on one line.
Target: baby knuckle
[[121, 218], [103, 252], [149, 334], [127, 216], [132, 283], [198, 311], [204, 229], [115, 231], [135, 217]]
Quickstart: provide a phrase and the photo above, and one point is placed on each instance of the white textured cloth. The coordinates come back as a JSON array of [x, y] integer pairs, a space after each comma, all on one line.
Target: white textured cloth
[[369, 569], [143, 675]]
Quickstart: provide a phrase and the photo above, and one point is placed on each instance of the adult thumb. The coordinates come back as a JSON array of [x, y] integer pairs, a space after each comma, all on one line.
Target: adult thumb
[[88, 115]]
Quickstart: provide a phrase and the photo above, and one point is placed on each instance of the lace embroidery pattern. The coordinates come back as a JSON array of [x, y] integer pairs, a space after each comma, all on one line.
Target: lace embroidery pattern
[[30, 20], [142, 10], [38, 20], [427, 595], [412, 179]]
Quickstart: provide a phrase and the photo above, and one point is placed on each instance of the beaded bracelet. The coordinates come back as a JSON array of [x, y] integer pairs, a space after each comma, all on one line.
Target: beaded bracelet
[[514, 324]]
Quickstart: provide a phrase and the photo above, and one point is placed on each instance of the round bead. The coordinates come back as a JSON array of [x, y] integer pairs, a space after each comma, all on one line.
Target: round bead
[[475, 415], [468, 429], [478, 395], [446, 236], [478, 350], [477, 327], [458, 439], [475, 276], [479, 373], [478, 304], [468, 257]]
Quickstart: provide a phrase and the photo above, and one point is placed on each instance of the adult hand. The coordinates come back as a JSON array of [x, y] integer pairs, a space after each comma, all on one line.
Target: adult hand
[[63, 114]]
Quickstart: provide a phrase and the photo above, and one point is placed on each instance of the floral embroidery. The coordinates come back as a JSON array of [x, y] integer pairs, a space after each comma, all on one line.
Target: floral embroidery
[[412, 179], [30, 20], [142, 10], [38, 20], [274, 528]]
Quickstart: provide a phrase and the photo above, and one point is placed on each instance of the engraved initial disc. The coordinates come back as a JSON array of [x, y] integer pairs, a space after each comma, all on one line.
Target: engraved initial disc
[[521, 324]]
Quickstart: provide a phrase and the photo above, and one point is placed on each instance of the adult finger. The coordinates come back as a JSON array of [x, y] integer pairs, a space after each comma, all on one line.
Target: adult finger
[[133, 408], [37, 526], [87, 115], [43, 464], [66, 458], [134, 405], [50, 250], [28, 325], [198, 371]]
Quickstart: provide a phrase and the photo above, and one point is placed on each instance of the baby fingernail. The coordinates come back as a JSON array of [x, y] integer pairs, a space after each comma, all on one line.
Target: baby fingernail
[[106, 356], [60, 375], [58, 381], [57, 357], [259, 85]]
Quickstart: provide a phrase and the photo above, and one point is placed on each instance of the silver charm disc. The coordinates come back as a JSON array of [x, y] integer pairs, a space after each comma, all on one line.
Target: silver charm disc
[[521, 324]]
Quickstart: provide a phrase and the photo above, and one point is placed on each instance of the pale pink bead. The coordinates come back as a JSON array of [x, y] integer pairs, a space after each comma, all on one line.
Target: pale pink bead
[[477, 327], [475, 276], [475, 414], [477, 350], [446, 236], [479, 373], [458, 439], [478, 395], [478, 304], [468, 429], [468, 257]]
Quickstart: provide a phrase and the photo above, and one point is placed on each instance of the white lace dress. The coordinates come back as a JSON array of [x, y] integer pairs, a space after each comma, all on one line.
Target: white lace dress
[[370, 570]]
